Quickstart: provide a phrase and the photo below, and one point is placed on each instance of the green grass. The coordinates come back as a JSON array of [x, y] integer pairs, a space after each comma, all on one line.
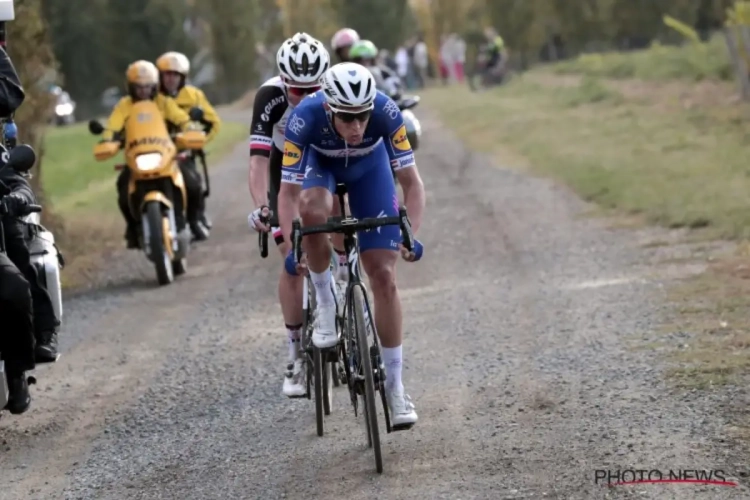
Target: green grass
[[667, 153], [672, 166], [73, 180], [690, 61]]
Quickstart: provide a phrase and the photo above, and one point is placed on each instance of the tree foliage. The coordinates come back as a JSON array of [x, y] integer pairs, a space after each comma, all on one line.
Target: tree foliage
[[29, 49]]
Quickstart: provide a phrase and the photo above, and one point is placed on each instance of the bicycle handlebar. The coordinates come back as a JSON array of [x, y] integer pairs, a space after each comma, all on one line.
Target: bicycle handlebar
[[29, 209], [351, 225], [263, 236]]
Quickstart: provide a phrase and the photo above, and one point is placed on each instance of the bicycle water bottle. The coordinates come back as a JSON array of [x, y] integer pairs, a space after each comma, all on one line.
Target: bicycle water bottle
[[10, 134]]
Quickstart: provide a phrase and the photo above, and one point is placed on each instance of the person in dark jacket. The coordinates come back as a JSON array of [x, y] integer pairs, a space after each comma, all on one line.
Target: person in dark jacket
[[45, 322], [16, 310]]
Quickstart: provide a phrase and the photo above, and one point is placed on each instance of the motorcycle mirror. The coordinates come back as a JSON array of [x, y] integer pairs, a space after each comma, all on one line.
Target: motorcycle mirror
[[196, 114], [95, 127], [21, 158], [409, 102]]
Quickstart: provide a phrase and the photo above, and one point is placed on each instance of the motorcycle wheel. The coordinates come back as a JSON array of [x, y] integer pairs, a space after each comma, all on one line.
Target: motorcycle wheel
[[160, 243]]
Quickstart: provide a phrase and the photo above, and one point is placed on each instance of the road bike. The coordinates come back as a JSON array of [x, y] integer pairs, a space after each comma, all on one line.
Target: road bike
[[321, 375], [358, 347]]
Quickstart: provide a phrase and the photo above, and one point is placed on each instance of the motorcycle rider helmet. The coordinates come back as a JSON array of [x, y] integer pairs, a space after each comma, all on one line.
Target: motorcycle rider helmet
[[349, 87], [142, 79], [342, 40], [302, 60], [173, 62], [363, 52]]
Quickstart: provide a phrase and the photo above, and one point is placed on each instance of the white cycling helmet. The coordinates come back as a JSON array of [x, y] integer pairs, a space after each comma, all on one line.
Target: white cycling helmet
[[349, 85], [344, 38], [302, 60]]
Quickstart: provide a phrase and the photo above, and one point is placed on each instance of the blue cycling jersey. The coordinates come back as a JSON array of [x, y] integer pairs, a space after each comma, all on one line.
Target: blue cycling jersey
[[309, 128], [316, 156]]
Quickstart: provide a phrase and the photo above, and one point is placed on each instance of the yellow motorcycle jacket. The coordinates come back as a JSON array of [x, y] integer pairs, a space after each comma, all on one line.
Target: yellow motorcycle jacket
[[189, 97], [175, 117]]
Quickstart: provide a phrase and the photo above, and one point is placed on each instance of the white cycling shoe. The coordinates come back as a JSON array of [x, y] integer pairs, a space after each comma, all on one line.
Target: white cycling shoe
[[294, 380], [403, 414], [324, 334]]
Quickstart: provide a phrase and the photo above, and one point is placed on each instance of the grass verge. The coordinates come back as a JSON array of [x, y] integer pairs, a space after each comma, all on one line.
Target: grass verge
[[82, 194], [655, 150], [690, 61]]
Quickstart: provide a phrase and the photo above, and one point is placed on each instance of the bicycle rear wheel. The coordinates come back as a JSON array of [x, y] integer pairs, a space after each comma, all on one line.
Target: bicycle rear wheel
[[370, 410]]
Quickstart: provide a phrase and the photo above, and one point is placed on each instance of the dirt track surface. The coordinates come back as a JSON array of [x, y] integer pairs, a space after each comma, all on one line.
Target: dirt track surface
[[517, 356]]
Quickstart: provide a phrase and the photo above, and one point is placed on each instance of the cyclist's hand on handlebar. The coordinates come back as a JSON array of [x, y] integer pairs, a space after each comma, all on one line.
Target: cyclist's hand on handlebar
[[295, 269], [258, 219], [415, 254]]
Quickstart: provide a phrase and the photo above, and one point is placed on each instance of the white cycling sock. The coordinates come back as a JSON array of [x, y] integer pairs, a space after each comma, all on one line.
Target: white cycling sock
[[293, 334], [393, 361], [323, 292]]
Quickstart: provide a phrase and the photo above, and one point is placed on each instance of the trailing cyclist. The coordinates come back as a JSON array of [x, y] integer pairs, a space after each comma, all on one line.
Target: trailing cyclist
[[365, 52], [301, 62], [353, 134], [342, 41], [174, 69]]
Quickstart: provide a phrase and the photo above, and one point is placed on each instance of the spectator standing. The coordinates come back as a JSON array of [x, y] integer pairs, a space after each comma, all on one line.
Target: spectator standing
[[421, 61], [459, 57], [402, 66], [445, 58]]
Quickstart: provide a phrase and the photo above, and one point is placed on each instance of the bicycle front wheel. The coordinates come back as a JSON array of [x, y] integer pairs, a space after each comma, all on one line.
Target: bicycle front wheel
[[370, 413]]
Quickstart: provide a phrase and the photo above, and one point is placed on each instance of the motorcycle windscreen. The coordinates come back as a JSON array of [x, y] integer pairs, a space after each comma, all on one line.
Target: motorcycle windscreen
[[146, 132]]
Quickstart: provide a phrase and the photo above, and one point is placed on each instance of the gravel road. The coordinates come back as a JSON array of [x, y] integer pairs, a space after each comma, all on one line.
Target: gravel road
[[518, 324]]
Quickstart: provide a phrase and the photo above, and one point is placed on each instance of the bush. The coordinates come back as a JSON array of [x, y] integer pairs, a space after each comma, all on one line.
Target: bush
[[692, 61]]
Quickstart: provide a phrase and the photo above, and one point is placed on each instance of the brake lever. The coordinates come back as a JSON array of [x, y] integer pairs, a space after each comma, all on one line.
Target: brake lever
[[297, 240], [406, 232]]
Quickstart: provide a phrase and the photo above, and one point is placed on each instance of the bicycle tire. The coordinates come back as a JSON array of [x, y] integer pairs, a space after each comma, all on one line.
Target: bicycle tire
[[328, 378], [370, 410], [306, 334], [318, 385]]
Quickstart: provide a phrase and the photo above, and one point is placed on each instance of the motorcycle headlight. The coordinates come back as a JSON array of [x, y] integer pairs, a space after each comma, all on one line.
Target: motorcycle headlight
[[149, 161], [63, 109]]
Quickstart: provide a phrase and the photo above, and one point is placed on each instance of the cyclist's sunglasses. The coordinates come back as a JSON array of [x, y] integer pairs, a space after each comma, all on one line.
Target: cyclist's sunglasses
[[302, 91], [348, 117]]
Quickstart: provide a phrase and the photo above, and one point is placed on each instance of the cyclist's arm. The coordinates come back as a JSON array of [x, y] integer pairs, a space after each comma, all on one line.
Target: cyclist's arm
[[292, 173], [116, 120], [403, 163], [175, 115], [210, 117], [261, 140]]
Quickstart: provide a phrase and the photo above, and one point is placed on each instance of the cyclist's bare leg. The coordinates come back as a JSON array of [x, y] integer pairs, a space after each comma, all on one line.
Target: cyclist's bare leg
[[336, 238], [315, 206], [380, 266], [290, 298]]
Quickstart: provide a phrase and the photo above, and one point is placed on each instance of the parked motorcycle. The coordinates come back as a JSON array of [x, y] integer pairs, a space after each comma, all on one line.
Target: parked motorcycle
[[155, 184], [21, 159], [45, 256]]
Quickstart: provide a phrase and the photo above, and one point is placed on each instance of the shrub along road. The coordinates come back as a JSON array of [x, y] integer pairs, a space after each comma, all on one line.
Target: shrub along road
[[519, 323]]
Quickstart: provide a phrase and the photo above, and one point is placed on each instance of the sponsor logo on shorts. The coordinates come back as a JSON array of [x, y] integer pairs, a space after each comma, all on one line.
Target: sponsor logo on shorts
[[292, 154], [292, 177]]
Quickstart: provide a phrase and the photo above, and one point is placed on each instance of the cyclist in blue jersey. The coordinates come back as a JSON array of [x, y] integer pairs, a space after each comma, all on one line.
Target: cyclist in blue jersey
[[350, 133]]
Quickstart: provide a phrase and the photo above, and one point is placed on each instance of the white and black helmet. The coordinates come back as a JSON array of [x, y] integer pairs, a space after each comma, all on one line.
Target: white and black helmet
[[302, 60], [349, 85]]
